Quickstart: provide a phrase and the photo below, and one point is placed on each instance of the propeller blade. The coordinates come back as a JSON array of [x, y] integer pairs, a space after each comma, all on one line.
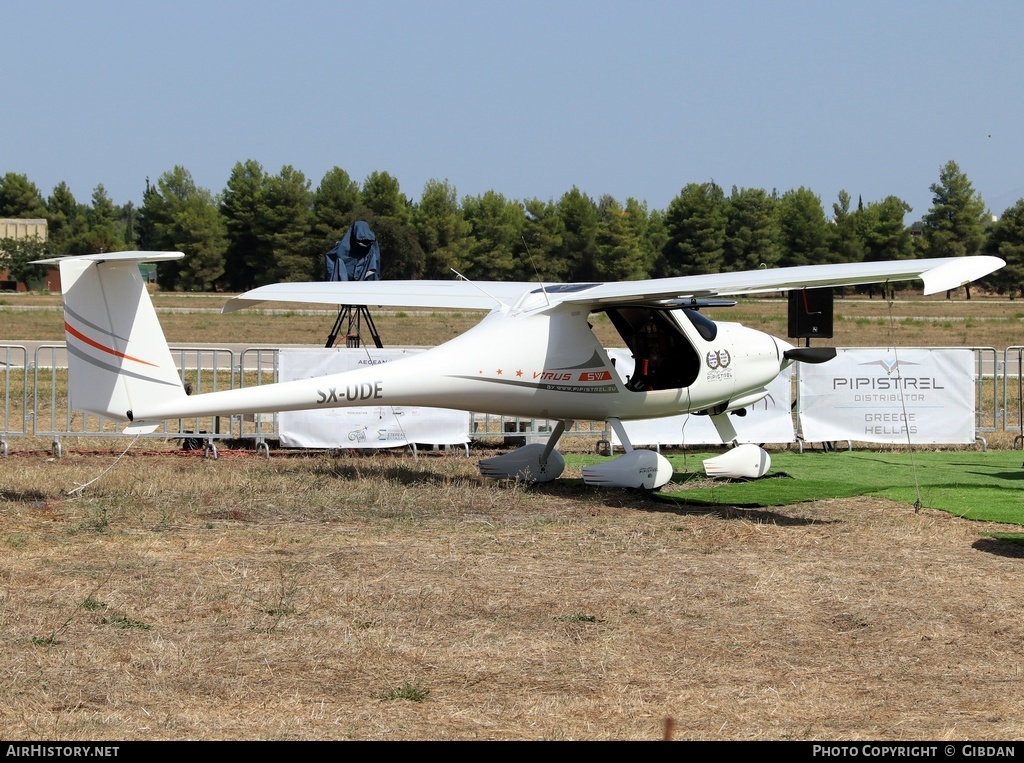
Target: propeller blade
[[810, 354]]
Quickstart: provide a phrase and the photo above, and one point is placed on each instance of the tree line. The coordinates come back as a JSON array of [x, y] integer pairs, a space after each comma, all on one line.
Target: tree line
[[265, 228]]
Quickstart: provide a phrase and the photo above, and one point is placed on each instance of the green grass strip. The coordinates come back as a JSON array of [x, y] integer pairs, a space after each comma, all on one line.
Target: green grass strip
[[986, 486]]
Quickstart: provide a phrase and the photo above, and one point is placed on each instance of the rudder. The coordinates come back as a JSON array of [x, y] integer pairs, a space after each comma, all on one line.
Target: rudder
[[118, 358]]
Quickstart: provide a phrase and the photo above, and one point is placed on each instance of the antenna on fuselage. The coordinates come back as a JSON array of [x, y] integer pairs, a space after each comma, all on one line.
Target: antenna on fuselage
[[481, 288], [529, 254]]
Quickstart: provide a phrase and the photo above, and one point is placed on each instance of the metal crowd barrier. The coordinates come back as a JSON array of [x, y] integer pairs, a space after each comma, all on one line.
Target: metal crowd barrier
[[36, 401], [986, 388], [15, 384], [1013, 391]]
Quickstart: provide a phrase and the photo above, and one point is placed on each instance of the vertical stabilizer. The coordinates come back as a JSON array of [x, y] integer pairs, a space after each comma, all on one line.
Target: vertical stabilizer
[[118, 358]]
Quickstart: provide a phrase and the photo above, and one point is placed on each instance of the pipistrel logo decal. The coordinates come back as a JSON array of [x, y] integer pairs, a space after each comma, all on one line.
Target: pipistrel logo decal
[[896, 386], [890, 366]]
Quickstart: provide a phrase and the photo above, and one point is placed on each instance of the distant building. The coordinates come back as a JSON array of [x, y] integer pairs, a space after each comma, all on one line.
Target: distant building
[[21, 228], [16, 227]]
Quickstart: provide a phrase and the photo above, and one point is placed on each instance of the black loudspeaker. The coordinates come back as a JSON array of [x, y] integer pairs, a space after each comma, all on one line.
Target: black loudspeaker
[[810, 313]]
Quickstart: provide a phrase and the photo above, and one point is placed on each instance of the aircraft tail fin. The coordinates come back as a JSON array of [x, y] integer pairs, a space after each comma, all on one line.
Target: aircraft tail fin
[[118, 357]]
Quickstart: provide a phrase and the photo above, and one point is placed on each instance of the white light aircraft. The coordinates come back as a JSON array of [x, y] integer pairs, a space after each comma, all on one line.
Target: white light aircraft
[[533, 355]]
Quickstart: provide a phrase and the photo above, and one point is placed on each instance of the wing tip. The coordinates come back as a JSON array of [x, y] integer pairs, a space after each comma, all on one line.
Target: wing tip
[[959, 271]]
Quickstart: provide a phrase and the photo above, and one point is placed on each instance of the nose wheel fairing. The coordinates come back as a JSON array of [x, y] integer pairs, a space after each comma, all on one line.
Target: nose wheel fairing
[[744, 462]]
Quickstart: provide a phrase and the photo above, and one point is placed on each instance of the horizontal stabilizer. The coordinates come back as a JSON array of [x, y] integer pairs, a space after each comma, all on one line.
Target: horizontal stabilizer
[[115, 257]]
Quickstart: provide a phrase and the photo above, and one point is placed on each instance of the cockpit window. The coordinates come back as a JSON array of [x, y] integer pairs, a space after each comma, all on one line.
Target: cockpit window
[[564, 288], [663, 356], [706, 327]]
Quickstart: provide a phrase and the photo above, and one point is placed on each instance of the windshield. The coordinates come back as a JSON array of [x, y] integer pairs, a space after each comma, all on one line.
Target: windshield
[[706, 327]]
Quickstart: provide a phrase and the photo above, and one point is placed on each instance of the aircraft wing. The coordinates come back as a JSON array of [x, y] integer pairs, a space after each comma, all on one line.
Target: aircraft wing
[[455, 295], [939, 274]]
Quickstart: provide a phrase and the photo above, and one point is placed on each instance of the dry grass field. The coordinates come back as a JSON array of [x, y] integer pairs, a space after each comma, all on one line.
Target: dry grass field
[[383, 596]]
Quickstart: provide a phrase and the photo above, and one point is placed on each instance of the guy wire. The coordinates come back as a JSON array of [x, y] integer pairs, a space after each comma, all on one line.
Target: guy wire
[[890, 298], [398, 421]]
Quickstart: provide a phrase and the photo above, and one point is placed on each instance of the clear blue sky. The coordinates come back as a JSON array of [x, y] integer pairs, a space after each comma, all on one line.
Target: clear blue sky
[[632, 99]]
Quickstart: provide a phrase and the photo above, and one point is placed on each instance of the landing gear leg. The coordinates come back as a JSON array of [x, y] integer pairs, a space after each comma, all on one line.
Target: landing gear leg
[[530, 463], [747, 461]]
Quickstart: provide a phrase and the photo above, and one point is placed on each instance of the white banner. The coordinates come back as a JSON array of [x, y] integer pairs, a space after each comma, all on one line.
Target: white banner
[[769, 420], [361, 426], [916, 395]]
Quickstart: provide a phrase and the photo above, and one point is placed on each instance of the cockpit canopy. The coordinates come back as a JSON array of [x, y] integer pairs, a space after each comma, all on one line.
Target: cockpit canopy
[[664, 357]]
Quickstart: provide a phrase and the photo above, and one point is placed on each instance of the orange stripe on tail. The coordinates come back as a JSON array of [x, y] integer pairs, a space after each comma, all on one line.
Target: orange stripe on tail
[[98, 346]]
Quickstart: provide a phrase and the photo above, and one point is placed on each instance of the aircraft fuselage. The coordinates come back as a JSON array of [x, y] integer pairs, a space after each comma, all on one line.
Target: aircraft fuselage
[[543, 362]]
